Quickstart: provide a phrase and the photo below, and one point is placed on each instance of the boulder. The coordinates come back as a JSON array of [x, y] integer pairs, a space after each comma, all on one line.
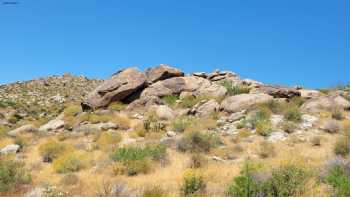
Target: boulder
[[144, 102], [10, 149], [90, 128], [176, 85], [52, 125], [277, 91], [163, 112], [326, 102], [310, 93], [162, 72], [207, 109], [117, 88], [243, 101], [23, 129]]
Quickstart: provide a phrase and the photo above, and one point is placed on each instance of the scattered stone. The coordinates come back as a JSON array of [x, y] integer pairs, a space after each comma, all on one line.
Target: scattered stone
[[325, 102], [277, 136], [236, 116], [171, 134], [52, 125], [216, 158], [23, 129], [10, 149], [307, 121], [276, 120]]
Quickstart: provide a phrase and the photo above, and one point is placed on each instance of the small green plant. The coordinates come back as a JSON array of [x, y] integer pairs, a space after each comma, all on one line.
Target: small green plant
[[339, 179], [276, 107], [289, 126], [193, 183], [190, 101], [293, 114], [180, 124], [235, 89], [264, 128], [198, 142], [170, 99], [72, 110], [52, 149], [12, 174], [263, 114]]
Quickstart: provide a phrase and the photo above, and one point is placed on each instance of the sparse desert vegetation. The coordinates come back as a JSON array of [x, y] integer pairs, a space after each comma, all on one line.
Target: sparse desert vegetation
[[209, 134]]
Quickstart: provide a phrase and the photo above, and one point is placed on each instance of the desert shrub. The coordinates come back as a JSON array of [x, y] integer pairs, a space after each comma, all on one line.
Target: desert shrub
[[95, 118], [342, 146], [198, 142], [170, 99], [263, 114], [122, 121], [108, 139], [52, 149], [289, 126], [316, 141], [70, 162], [137, 167], [264, 128], [12, 174], [117, 106], [198, 160], [3, 130], [266, 150], [274, 106], [331, 126], [193, 183], [296, 101], [339, 179], [337, 113], [20, 141], [180, 124], [244, 185], [190, 101], [132, 153], [69, 179], [288, 180], [233, 89], [156, 191], [72, 110], [292, 113]]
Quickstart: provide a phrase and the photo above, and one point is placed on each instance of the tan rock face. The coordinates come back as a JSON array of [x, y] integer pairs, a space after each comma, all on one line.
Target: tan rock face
[[278, 91], [243, 101], [208, 108], [117, 88], [176, 85], [325, 102], [310, 93], [162, 72]]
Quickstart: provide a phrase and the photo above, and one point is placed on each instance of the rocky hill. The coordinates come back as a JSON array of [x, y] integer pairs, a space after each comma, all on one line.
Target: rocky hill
[[161, 132]]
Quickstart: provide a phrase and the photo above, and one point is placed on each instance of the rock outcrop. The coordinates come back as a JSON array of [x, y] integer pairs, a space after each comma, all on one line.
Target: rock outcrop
[[117, 88], [162, 72], [278, 91], [325, 102]]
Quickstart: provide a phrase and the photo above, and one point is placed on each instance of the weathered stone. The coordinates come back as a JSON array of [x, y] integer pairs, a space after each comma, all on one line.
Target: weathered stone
[[207, 109], [144, 102], [23, 129], [117, 88], [52, 125], [278, 91], [325, 102], [310, 93], [162, 72], [163, 112], [277, 136], [236, 116], [243, 101], [176, 85], [10, 149]]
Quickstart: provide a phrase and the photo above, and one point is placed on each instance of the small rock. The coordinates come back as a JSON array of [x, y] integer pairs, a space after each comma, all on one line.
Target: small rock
[[236, 116], [308, 121], [171, 134], [277, 136], [276, 119], [10, 149], [37, 192], [216, 158], [52, 125]]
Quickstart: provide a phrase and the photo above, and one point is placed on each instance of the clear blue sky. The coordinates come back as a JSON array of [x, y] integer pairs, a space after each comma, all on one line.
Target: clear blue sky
[[287, 42]]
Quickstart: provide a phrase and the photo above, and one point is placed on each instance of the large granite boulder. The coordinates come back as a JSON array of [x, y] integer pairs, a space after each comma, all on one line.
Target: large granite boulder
[[143, 103], [326, 102], [162, 72], [208, 108], [277, 91], [243, 101], [53, 125], [176, 85], [117, 88]]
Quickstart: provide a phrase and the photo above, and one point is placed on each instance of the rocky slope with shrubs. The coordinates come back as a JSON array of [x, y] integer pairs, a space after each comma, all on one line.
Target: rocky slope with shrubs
[[161, 132]]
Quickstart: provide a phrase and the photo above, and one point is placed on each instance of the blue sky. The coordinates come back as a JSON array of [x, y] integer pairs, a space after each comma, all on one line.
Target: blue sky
[[289, 42]]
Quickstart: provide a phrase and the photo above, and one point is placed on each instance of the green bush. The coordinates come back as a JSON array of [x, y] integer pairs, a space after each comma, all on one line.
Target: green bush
[[263, 114], [339, 179], [12, 174], [190, 101], [70, 162], [289, 126], [193, 183], [180, 124], [264, 127], [138, 153], [136, 167], [52, 149], [170, 99], [154, 192], [198, 142], [293, 114], [72, 110], [274, 106], [235, 89]]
